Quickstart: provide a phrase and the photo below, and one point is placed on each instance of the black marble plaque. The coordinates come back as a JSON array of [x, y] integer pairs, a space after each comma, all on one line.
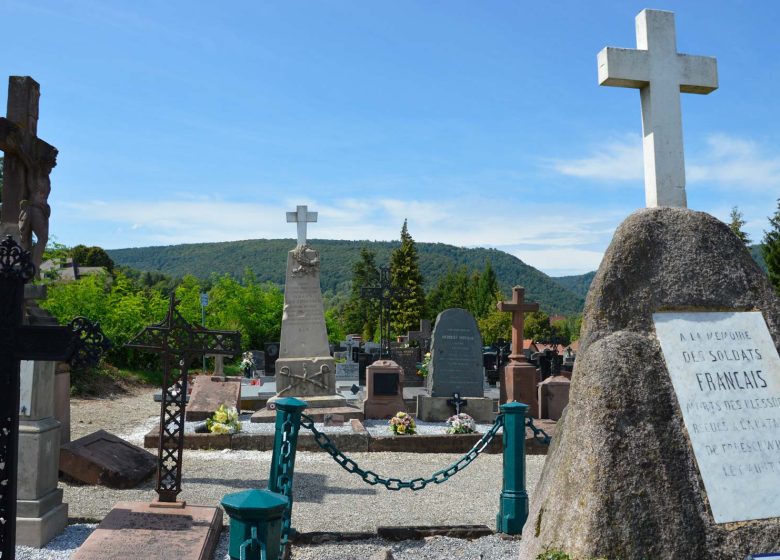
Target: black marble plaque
[[386, 383]]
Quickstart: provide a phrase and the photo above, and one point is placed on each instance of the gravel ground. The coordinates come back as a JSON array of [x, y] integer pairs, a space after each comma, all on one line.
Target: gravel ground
[[326, 497], [433, 548]]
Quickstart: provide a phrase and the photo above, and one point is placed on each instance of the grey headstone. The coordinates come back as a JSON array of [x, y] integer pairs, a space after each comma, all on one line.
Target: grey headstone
[[347, 371], [456, 356], [408, 358], [621, 478]]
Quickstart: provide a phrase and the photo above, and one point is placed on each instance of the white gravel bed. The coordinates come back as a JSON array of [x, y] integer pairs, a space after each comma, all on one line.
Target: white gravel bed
[[491, 547], [382, 427], [247, 427]]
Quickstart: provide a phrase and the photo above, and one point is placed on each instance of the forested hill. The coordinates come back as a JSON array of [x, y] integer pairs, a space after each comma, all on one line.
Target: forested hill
[[267, 259], [580, 284]]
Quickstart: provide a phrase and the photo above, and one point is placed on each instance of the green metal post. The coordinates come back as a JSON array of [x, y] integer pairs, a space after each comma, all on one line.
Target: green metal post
[[513, 508], [288, 423]]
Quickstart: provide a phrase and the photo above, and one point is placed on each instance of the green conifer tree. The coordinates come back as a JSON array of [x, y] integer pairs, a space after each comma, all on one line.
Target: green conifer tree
[[486, 292], [736, 225], [405, 277], [361, 315], [771, 249]]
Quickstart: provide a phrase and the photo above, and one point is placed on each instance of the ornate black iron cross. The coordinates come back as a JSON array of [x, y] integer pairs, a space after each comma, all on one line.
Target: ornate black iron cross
[[386, 293], [81, 343], [178, 343]]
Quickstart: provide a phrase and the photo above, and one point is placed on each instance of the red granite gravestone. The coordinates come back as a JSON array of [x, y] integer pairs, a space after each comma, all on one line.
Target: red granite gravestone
[[103, 458], [209, 393], [384, 390]]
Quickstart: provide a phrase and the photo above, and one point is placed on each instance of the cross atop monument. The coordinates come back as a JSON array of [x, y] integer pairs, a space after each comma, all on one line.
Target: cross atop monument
[[518, 308], [660, 73], [301, 216]]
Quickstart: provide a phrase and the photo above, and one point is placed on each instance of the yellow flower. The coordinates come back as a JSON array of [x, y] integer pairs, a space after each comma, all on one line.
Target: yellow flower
[[401, 428], [218, 428], [220, 416]]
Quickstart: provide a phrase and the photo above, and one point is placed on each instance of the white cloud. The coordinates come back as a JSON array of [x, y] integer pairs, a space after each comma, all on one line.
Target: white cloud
[[725, 161], [619, 159], [572, 245], [733, 161]]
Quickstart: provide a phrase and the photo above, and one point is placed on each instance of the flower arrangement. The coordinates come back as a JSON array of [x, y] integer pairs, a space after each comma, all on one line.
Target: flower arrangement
[[461, 424], [247, 362], [224, 421], [422, 368], [402, 424]]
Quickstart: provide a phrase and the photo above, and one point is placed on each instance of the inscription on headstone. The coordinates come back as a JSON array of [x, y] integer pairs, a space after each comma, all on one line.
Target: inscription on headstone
[[725, 371], [386, 383], [456, 356]]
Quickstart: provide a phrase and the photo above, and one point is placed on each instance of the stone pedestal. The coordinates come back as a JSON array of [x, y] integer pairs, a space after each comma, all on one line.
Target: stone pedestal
[[436, 409], [62, 400], [520, 384], [553, 397], [384, 390], [41, 515]]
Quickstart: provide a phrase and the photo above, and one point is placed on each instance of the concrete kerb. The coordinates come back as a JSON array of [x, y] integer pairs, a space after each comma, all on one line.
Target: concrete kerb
[[359, 440]]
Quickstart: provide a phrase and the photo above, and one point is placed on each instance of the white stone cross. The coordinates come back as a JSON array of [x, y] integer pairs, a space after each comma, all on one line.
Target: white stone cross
[[660, 73], [301, 216]]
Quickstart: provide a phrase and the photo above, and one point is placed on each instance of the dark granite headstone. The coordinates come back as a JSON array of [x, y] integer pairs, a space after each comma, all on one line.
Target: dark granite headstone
[[271, 355], [364, 360], [386, 383], [408, 358], [456, 356]]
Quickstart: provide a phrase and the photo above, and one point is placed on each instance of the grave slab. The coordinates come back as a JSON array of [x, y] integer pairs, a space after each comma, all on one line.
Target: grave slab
[[139, 530], [103, 458], [209, 393]]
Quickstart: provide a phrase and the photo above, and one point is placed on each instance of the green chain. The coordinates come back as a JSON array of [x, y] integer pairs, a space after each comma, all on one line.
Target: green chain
[[372, 478], [539, 434]]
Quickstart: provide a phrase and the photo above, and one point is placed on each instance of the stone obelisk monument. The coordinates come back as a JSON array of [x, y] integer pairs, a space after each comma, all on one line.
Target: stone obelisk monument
[[305, 369]]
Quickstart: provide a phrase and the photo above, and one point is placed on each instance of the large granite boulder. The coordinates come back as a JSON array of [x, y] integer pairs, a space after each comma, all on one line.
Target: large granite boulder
[[621, 480]]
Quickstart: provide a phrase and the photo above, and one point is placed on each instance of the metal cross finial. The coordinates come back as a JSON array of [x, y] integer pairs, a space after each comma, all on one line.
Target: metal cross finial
[[301, 216], [660, 73]]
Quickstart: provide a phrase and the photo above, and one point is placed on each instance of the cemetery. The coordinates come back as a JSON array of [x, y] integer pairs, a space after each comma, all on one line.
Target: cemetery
[[148, 415]]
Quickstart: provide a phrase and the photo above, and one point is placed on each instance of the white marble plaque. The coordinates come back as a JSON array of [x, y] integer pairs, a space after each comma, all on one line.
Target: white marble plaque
[[726, 373], [25, 386]]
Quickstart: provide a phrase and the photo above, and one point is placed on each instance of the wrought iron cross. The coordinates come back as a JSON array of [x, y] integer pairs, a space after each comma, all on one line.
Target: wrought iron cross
[[79, 343], [457, 402], [178, 343], [385, 293]]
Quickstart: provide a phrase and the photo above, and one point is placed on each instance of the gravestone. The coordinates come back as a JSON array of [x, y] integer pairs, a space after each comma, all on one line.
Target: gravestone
[[421, 337], [520, 379], [305, 368], [103, 458], [364, 360], [347, 371], [384, 390], [668, 446], [456, 356], [271, 355], [456, 367], [408, 358], [553, 397], [209, 393]]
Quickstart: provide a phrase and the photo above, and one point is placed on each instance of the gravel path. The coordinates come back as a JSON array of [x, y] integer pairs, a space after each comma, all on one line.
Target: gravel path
[[435, 548]]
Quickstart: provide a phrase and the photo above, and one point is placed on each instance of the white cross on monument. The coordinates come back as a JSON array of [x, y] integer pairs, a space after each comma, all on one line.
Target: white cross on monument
[[301, 216], [660, 73]]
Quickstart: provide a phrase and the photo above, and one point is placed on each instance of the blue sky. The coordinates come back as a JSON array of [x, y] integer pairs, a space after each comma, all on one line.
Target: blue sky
[[480, 122]]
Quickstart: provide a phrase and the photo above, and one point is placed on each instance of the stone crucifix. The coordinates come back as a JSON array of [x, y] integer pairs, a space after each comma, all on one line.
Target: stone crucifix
[[302, 216], [518, 308], [28, 163], [660, 73]]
